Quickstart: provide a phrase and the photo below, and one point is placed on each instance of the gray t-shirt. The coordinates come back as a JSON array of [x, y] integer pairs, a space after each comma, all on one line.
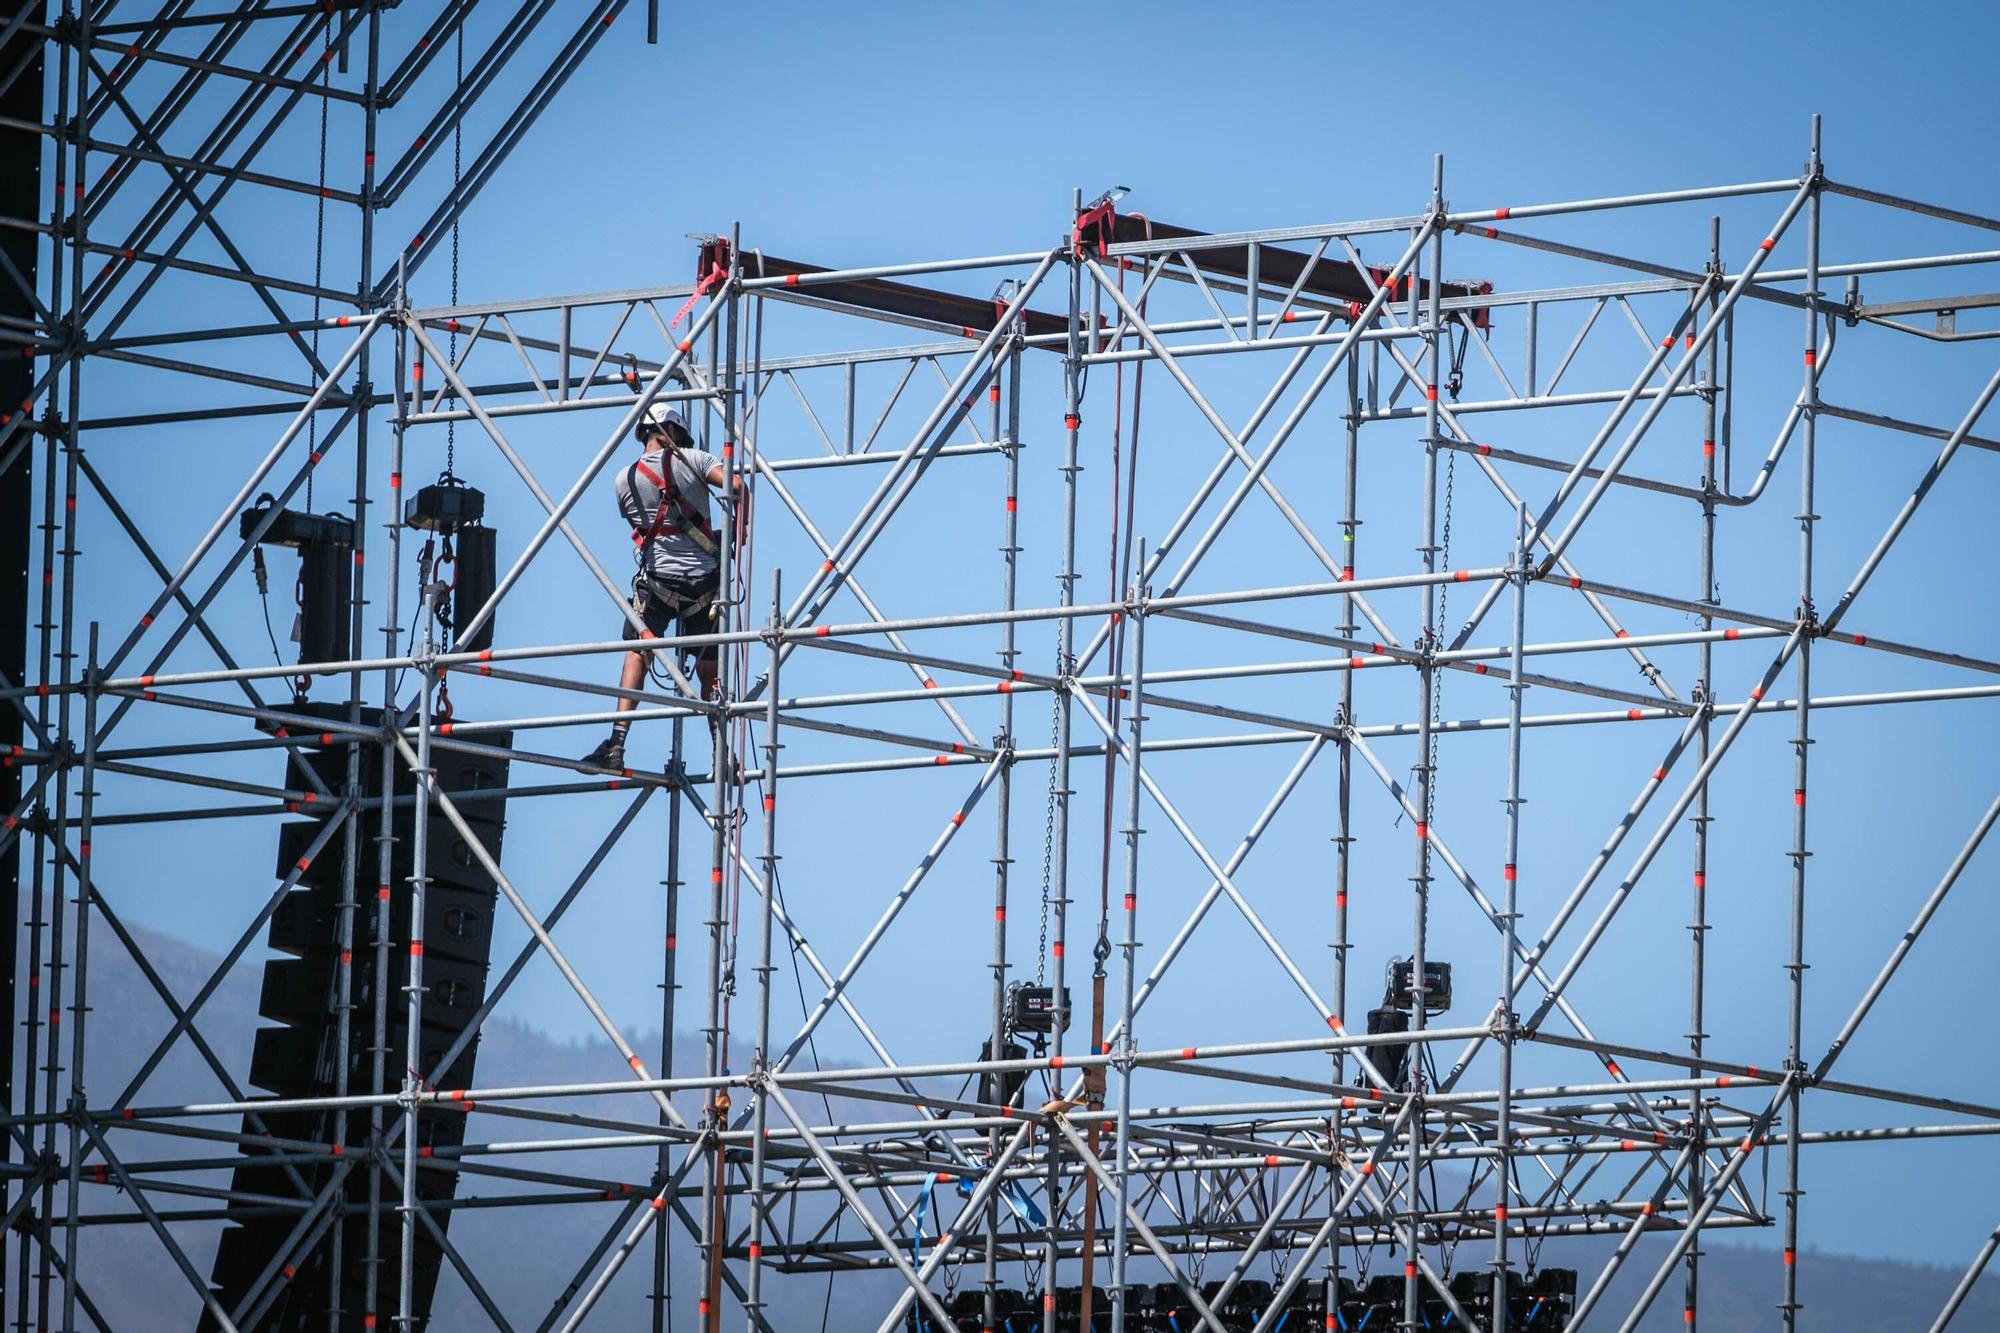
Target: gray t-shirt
[[673, 553]]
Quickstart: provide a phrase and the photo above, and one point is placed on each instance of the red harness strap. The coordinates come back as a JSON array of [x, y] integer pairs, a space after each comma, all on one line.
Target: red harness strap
[[660, 525]]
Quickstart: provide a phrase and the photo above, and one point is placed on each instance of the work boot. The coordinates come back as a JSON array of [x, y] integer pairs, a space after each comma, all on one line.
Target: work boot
[[610, 753]]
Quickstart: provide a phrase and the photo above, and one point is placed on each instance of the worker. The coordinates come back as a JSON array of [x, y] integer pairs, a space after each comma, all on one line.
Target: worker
[[677, 548]]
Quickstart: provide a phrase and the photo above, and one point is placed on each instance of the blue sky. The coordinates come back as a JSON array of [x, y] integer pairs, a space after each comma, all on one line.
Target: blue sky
[[921, 131]]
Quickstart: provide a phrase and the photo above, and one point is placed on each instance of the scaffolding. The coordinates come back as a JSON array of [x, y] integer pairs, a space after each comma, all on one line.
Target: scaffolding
[[1297, 1146]]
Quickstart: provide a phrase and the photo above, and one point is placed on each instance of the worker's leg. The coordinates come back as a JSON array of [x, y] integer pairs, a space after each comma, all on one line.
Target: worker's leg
[[610, 752], [633, 680]]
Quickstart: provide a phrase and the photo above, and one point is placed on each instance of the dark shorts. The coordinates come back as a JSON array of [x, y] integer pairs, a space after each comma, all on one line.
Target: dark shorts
[[668, 607]]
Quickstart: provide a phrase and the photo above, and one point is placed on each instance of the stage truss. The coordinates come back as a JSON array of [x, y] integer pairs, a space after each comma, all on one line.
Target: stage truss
[[976, 718]]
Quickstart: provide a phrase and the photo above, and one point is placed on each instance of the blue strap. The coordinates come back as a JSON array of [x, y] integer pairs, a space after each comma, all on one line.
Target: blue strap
[[923, 1207], [1015, 1197]]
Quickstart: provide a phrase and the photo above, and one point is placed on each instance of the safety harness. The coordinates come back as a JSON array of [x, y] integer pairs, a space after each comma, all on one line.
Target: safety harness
[[696, 525]]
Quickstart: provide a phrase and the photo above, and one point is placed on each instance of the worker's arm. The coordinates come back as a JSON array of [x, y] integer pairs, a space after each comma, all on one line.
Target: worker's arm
[[720, 475]]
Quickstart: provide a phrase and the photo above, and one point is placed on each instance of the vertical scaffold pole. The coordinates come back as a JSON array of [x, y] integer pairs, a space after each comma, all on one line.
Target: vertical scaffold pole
[[57, 841], [407, 396], [753, 1302], [1343, 838], [1059, 872], [420, 782], [1802, 735], [1426, 678], [669, 991], [1129, 947], [80, 1005], [723, 806], [1010, 554], [351, 789], [1698, 928], [1503, 1123]]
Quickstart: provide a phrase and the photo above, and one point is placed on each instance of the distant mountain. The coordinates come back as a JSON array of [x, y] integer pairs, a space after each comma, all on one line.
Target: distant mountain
[[527, 1257]]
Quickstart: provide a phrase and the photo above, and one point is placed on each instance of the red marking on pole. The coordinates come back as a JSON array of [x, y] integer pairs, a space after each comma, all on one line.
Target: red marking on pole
[[1500, 1213], [1789, 1258], [1347, 1103], [1811, 356], [1055, 1062], [1575, 581], [670, 941], [130, 1114], [395, 481], [1354, 310], [957, 818], [1055, 949], [1006, 687], [1340, 899], [1430, 393], [1131, 902], [1423, 832], [1860, 640], [303, 863], [1798, 796], [1659, 775], [1722, 1082], [382, 893], [1492, 233], [715, 875], [942, 759], [1072, 421], [1503, 213], [1508, 873], [1767, 244], [1461, 575], [1646, 1208], [1479, 668], [424, 1151], [1626, 1145], [999, 914], [1409, 1270], [146, 680], [289, 1271], [1757, 693], [1700, 879], [1708, 448], [1635, 713], [1622, 634], [1667, 341], [1687, 1315], [1271, 1161], [1368, 1168], [1612, 1065], [687, 344], [444, 728], [1485, 449], [1333, 1021], [416, 948], [770, 804]]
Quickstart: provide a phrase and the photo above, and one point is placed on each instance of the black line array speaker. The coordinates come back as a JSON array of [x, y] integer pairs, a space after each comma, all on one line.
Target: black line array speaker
[[301, 1054]]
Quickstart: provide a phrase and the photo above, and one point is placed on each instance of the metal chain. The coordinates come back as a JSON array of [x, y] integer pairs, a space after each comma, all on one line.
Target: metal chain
[[1049, 835], [1436, 633]]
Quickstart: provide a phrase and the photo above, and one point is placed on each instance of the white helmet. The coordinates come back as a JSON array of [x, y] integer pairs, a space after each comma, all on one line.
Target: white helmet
[[658, 417]]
